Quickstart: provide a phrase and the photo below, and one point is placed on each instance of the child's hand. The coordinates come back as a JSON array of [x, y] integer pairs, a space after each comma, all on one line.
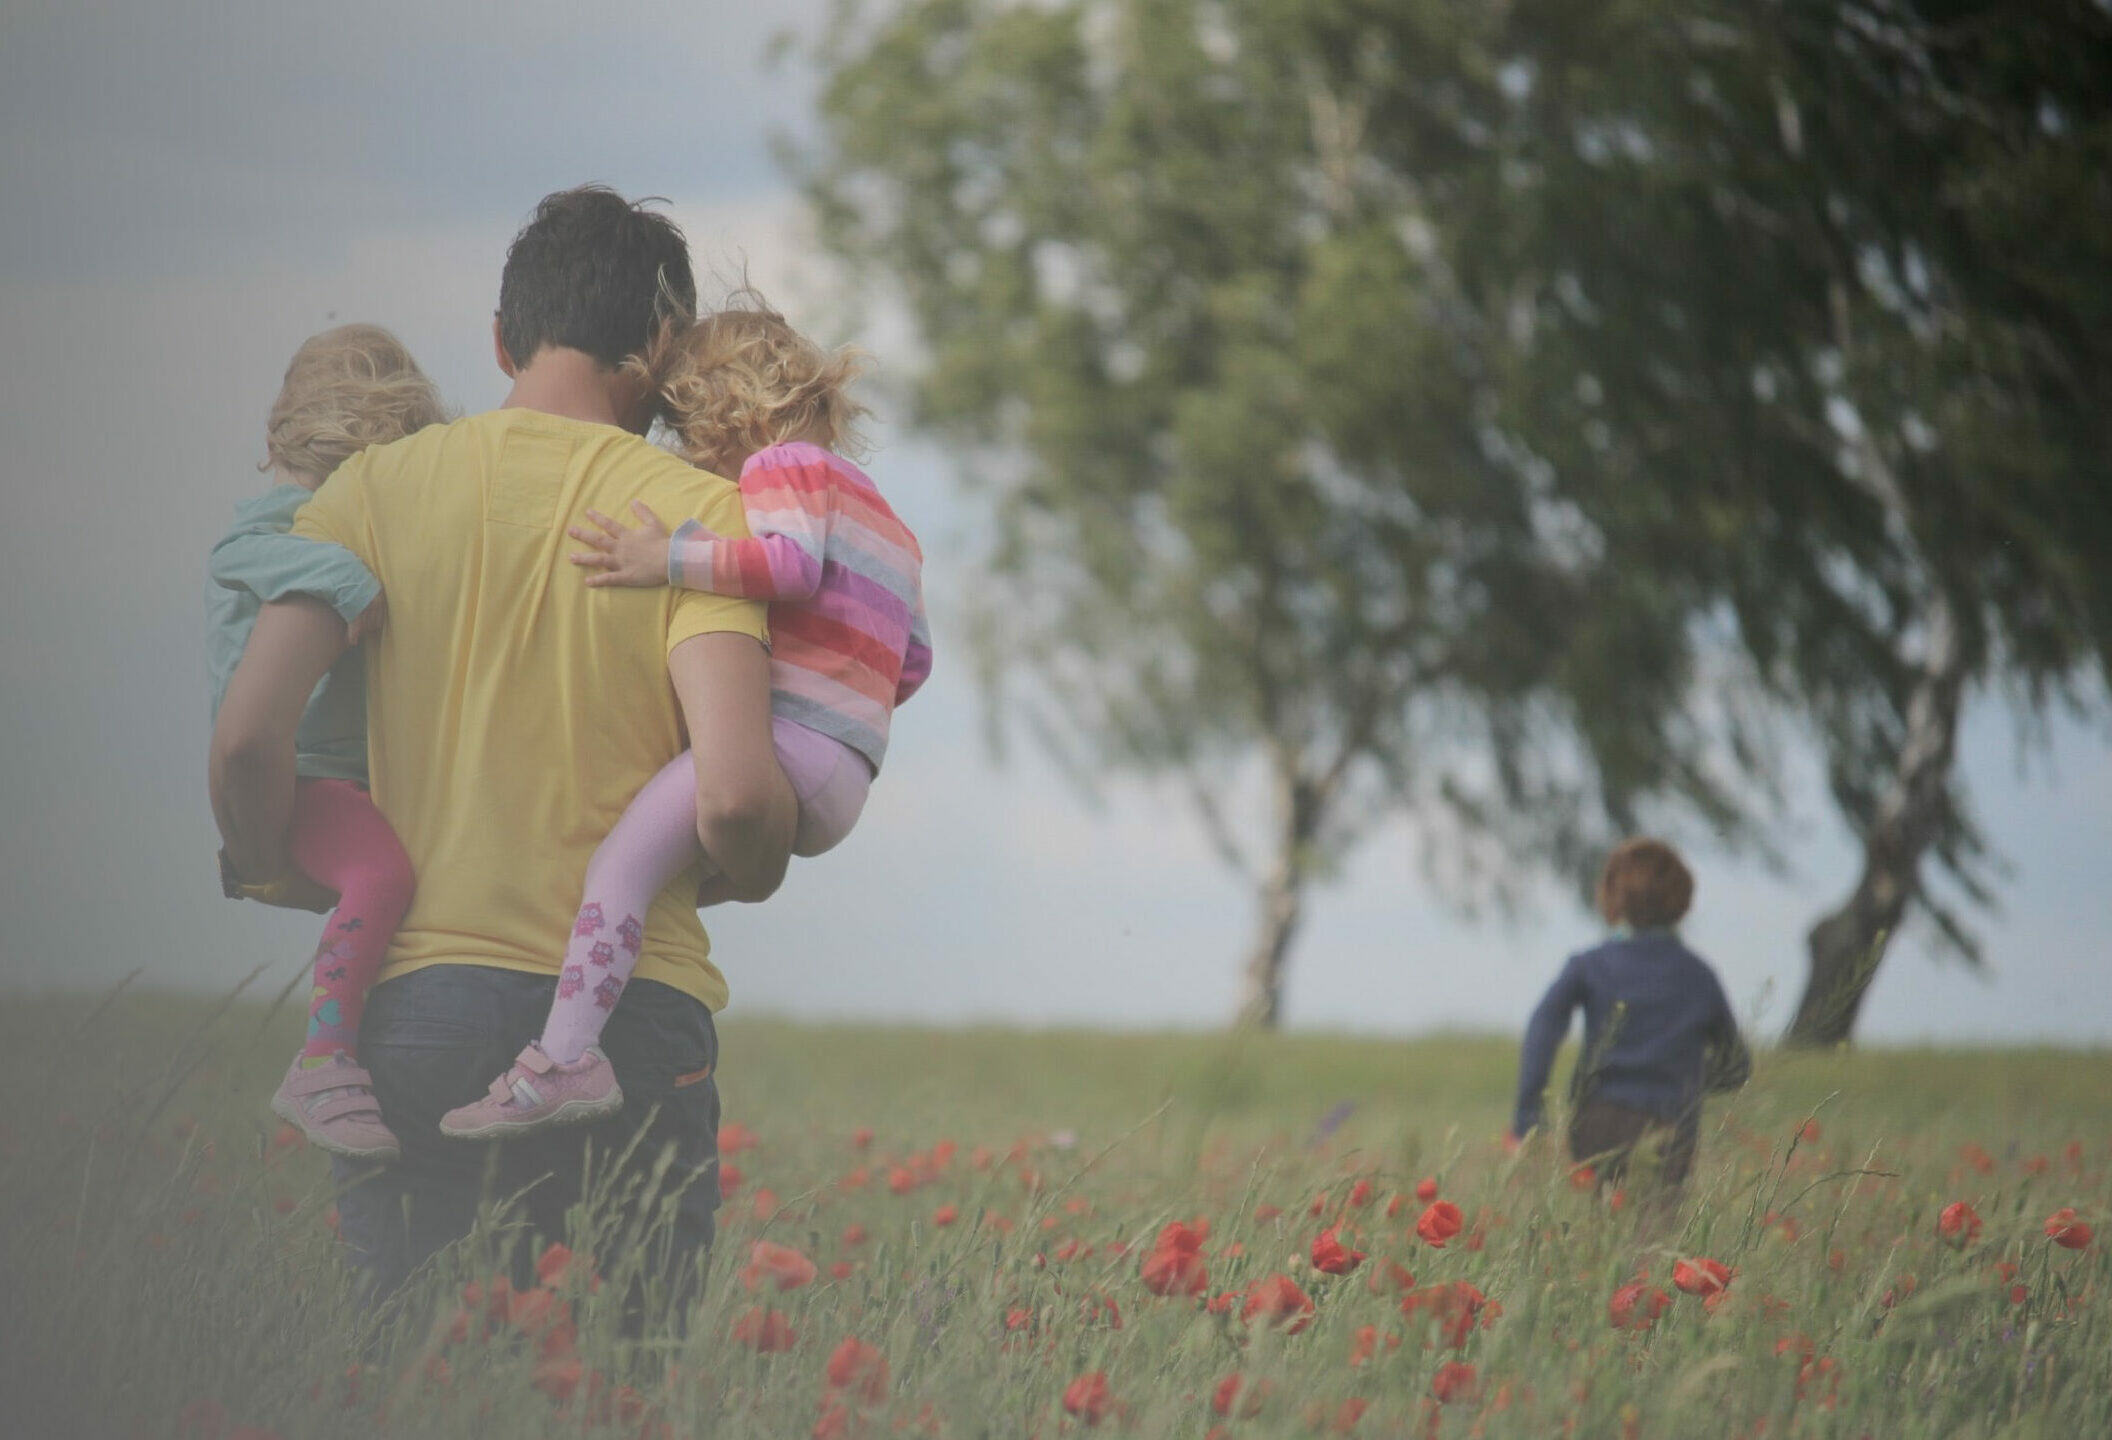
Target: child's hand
[[624, 557]]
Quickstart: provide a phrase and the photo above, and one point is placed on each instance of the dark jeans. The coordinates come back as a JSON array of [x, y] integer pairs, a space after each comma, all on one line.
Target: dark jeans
[[436, 1038], [1608, 1135]]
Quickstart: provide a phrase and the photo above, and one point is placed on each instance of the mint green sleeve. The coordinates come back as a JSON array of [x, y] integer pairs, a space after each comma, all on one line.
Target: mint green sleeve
[[272, 564]]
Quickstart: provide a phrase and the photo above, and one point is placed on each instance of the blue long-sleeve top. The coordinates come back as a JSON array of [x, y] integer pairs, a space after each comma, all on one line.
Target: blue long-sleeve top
[[1658, 1030]]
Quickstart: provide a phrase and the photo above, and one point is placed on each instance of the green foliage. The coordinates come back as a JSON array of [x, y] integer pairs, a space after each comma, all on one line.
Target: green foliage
[[168, 1260], [1508, 412]]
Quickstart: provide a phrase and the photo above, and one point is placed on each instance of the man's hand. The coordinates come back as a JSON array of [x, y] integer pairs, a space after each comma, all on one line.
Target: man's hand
[[250, 767], [636, 558]]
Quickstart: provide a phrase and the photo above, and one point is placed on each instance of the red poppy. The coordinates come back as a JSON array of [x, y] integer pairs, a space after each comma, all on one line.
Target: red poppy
[[862, 1137], [1959, 1223], [1087, 1398], [1175, 1264], [1278, 1299], [1702, 1276], [1362, 1345], [1455, 1308], [779, 1265], [1636, 1306], [1439, 1223], [1390, 1272], [1348, 1414], [554, 1266], [1267, 1212], [1454, 1381], [1099, 1309], [734, 1137], [1234, 1391], [1583, 1178], [2064, 1230], [1330, 1257], [1360, 1194], [859, 1370], [558, 1378], [838, 1422], [1426, 1190], [766, 1331], [853, 1234], [729, 1179], [945, 1215], [842, 1270]]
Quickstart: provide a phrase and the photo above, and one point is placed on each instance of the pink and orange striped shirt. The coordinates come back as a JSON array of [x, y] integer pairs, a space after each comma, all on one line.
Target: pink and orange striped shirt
[[849, 640]]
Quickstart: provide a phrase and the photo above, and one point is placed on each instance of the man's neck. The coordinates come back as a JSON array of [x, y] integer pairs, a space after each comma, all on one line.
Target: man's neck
[[571, 384]]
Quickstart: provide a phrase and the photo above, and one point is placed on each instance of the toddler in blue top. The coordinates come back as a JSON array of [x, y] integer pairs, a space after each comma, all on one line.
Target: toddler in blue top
[[1658, 1030]]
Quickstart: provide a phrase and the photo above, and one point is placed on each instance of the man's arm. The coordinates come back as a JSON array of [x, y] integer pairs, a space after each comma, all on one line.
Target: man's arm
[[250, 766], [746, 812]]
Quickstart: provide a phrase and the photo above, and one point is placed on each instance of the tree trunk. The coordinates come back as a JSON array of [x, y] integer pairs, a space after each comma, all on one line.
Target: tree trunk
[[1281, 903], [1846, 945]]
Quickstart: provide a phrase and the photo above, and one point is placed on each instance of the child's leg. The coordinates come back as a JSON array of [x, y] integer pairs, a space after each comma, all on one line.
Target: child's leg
[[829, 779], [340, 840], [654, 841]]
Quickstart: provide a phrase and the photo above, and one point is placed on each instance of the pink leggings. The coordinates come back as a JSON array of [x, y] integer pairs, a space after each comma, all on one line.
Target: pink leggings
[[342, 842], [653, 843]]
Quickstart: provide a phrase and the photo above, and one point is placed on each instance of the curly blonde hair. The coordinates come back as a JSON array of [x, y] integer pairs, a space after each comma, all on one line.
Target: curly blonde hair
[[741, 379], [346, 389]]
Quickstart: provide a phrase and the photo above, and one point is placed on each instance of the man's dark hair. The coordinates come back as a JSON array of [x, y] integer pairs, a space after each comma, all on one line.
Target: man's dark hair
[[594, 272]]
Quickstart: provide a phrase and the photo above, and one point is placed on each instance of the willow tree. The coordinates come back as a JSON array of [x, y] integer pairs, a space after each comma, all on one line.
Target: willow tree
[[1257, 517], [1828, 284]]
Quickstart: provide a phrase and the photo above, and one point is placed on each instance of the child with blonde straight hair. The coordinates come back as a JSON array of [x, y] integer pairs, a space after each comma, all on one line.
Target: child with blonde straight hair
[[746, 394], [345, 389]]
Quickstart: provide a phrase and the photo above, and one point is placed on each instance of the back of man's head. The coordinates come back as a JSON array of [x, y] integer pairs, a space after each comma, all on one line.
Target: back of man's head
[[592, 272]]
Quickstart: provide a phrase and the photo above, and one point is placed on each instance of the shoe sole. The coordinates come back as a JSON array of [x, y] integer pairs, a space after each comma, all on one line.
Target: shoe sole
[[572, 1112], [286, 1111]]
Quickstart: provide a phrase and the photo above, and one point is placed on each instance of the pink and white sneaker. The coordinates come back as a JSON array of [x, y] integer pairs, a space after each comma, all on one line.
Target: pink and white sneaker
[[334, 1106], [537, 1091]]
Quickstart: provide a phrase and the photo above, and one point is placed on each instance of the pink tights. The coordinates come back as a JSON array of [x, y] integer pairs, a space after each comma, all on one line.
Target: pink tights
[[342, 842], [653, 843]]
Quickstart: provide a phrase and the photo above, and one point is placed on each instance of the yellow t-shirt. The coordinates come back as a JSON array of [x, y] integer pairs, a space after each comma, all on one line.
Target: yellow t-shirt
[[512, 712]]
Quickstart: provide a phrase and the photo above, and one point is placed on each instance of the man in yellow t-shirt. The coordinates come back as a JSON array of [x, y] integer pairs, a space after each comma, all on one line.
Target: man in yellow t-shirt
[[512, 714]]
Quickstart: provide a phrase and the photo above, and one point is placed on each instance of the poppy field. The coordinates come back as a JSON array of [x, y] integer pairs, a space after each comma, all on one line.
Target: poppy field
[[1053, 1234]]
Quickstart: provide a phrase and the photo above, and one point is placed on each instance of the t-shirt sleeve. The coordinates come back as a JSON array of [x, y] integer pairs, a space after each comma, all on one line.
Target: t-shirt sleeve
[[698, 612], [338, 513]]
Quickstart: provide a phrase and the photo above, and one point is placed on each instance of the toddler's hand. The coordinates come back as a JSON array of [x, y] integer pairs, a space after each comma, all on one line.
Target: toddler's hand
[[624, 557]]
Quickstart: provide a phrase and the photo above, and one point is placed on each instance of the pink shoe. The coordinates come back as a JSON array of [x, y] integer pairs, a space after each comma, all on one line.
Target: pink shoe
[[334, 1106], [537, 1091]]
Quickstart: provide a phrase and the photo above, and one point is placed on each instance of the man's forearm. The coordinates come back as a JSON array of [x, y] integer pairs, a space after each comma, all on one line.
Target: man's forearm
[[252, 792], [250, 768], [749, 835]]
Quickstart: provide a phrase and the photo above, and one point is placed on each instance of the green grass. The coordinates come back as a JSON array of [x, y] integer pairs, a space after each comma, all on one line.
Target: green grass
[[169, 1269]]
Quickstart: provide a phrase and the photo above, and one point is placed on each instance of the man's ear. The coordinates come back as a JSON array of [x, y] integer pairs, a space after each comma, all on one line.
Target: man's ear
[[498, 349]]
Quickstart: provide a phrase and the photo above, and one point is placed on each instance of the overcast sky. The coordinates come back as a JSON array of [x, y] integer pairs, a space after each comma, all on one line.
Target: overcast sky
[[191, 190]]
